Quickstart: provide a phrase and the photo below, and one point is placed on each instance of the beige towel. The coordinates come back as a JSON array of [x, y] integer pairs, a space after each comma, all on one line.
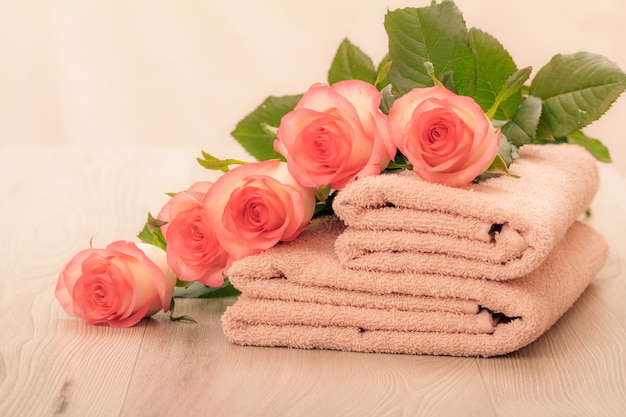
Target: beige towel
[[500, 228], [298, 295]]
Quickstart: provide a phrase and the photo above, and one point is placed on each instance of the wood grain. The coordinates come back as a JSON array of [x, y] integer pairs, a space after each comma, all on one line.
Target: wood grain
[[57, 198], [199, 370], [578, 364]]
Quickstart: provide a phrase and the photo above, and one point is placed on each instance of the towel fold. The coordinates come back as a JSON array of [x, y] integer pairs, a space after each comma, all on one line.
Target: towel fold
[[289, 313], [298, 295], [500, 228]]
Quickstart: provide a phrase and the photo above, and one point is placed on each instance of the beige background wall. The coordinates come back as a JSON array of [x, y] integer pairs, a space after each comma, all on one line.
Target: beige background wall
[[184, 72]]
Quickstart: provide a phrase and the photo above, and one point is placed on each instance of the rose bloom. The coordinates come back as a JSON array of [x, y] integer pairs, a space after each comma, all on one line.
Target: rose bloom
[[193, 251], [335, 134], [118, 285], [254, 206], [183, 200], [447, 137]]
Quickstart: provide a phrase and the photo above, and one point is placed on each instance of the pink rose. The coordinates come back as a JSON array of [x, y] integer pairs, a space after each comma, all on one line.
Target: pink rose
[[183, 200], [254, 206], [118, 285], [335, 134], [447, 137], [193, 251]]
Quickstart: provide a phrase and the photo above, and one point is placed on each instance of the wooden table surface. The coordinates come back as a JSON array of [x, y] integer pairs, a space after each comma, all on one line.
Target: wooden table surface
[[56, 198]]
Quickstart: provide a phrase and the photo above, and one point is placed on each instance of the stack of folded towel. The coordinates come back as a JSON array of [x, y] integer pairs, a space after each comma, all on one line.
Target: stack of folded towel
[[409, 266]]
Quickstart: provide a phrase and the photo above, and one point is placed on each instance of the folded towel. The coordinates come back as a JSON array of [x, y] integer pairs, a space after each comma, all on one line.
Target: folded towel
[[298, 295], [289, 313], [500, 228]]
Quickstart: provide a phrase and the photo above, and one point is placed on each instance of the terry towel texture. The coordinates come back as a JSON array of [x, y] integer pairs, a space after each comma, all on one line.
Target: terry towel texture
[[298, 295], [500, 228]]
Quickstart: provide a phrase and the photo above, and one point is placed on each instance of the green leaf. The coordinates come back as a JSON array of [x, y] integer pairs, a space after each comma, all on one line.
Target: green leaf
[[437, 34], [576, 89], [506, 151], [158, 239], [387, 98], [594, 146], [399, 162], [198, 290], [523, 127], [151, 232], [252, 132], [145, 235], [494, 66], [511, 87], [382, 73], [392, 166], [498, 166], [351, 63], [322, 193], [325, 208], [181, 283], [447, 79], [322, 209], [154, 222], [208, 161]]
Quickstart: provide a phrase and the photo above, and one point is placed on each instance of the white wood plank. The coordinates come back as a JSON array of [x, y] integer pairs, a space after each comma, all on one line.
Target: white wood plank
[[54, 200], [194, 368]]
